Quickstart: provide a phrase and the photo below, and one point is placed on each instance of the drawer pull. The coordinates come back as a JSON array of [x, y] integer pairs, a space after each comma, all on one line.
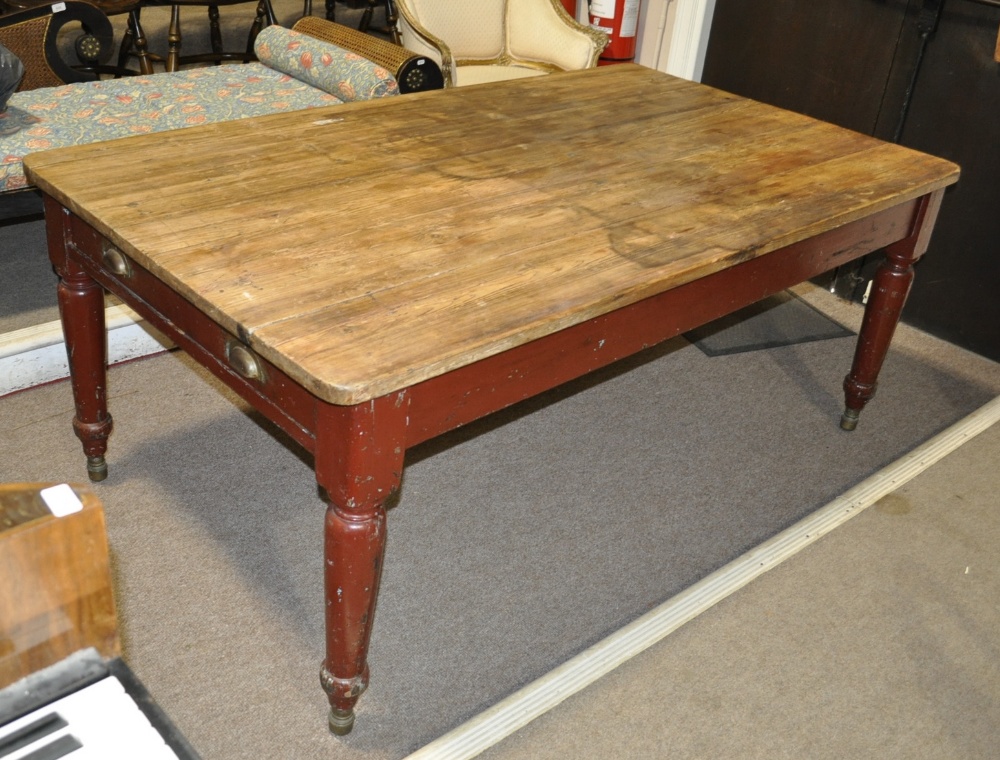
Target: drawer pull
[[244, 361], [116, 261]]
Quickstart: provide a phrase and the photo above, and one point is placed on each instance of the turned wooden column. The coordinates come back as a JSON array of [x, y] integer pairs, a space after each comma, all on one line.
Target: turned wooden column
[[359, 466], [81, 308], [888, 294]]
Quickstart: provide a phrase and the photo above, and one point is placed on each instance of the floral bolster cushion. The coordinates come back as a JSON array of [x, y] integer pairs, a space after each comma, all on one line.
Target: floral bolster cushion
[[86, 112], [340, 72]]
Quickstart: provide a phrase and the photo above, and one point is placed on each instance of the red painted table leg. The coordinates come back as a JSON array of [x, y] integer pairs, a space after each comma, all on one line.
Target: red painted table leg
[[81, 306], [890, 288], [359, 465]]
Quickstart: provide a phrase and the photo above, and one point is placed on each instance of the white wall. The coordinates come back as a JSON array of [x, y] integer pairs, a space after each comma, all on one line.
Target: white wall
[[656, 23], [673, 35]]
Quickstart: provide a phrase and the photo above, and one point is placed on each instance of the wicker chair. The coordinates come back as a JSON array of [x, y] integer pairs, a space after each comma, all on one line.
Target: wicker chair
[[32, 35]]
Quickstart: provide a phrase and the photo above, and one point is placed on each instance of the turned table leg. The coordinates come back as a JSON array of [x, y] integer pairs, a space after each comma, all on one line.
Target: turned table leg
[[359, 464], [890, 288], [81, 306]]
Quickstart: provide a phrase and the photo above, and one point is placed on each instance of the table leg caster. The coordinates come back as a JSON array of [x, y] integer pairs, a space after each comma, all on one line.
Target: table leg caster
[[97, 469], [849, 419], [341, 721]]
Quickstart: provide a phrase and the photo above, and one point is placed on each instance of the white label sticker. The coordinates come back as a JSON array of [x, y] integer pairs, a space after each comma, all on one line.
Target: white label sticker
[[630, 20], [61, 500], [602, 8], [58, 7]]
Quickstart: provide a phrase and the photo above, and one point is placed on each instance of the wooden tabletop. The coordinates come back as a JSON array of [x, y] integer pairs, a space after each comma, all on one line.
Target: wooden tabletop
[[366, 247]]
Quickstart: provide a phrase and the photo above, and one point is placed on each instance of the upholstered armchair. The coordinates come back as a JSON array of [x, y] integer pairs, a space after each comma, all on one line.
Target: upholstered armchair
[[492, 40]]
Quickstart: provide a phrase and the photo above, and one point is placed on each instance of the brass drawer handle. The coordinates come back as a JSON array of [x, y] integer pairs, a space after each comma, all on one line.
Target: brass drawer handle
[[244, 361], [116, 261]]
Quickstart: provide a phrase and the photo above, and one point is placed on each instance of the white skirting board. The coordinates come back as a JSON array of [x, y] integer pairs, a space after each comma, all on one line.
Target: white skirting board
[[520, 708], [37, 354]]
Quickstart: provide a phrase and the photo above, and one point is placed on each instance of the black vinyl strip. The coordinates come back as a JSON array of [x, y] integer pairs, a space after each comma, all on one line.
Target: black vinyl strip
[[59, 748], [31, 733]]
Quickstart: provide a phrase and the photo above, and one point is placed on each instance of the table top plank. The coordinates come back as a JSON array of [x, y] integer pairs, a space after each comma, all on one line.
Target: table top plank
[[364, 248]]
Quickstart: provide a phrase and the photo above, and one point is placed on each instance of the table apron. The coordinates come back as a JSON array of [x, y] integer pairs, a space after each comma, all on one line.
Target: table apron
[[465, 394], [277, 396], [454, 399]]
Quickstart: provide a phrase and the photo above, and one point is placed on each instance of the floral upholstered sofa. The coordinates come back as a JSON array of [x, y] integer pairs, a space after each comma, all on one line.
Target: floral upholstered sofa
[[295, 70]]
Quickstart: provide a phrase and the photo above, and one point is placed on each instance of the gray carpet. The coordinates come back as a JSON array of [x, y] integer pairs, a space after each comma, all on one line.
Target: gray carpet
[[517, 542], [878, 641], [27, 282], [781, 320]]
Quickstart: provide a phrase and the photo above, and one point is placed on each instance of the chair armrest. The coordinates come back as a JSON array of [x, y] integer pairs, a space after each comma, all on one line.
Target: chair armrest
[[32, 36], [541, 31], [414, 72], [418, 38]]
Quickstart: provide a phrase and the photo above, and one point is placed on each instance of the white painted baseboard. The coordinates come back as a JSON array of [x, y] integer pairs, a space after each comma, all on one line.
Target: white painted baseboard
[[37, 354]]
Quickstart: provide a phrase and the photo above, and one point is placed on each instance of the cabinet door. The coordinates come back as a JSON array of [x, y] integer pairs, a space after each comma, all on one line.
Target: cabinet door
[[829, 59], [853, 62], [955, 113]]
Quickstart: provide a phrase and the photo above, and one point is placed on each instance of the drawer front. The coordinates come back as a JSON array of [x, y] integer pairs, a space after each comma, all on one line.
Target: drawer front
[[228, 354]]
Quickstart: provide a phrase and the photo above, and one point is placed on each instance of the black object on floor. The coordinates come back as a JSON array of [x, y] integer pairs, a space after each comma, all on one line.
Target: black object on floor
[[781, 320]]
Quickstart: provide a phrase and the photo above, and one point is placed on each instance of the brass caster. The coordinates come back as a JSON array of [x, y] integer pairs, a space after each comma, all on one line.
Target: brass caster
[[849, 419], [97, 469], [341, 721]]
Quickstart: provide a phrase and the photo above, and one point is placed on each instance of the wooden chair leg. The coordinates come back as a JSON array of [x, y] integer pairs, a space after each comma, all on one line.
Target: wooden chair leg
[[174, 39], [265, 12], [390, 19], [265, 15], [138, 43], [128, 41], [366, 17], [390, 22], [214, 29]]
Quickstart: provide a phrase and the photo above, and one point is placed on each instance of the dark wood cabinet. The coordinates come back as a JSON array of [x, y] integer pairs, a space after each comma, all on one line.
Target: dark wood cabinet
[[920, 72]]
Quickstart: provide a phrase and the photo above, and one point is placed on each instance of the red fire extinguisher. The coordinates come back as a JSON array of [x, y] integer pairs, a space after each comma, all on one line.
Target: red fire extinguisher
[[570, 6], [619, 19]]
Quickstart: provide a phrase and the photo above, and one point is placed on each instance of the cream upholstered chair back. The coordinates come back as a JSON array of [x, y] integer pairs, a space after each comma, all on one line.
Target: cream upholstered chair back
[[490, 40], [473, 30]]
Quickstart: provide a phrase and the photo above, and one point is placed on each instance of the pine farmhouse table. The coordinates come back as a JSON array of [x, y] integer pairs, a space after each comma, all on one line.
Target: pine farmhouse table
[[476, 247]]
